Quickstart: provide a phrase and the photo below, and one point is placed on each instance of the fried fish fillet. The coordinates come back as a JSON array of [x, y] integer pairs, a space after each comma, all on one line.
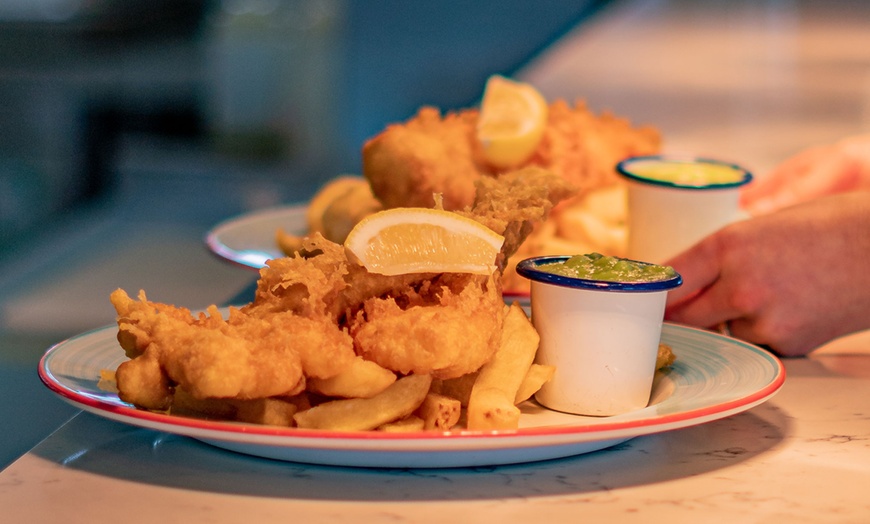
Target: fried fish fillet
[[208, 356], [407, 163], [445, 329], [433, 153]]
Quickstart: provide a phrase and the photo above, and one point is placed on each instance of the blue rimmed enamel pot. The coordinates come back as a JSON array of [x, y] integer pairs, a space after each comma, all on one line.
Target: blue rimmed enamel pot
[[602, 337]]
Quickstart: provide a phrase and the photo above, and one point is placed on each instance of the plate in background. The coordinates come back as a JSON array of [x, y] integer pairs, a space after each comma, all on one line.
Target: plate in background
[[248, 240]]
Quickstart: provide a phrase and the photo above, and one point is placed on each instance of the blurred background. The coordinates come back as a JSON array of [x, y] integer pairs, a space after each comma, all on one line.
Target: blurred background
[[284, 89], [187, 112], [129, 128]]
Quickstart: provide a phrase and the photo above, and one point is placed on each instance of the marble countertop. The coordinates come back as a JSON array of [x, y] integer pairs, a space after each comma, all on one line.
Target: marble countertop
[[746, 81]]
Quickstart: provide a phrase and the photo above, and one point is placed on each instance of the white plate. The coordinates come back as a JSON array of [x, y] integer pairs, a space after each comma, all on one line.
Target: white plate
[[714, 377], [249, 240]]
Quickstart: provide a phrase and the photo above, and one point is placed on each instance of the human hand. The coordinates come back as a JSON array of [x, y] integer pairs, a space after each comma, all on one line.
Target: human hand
[[791, 280], [814, 172]]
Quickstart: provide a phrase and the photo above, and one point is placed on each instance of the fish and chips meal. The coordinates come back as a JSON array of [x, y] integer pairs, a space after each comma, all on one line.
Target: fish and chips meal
[[390, 314], [331, 343]]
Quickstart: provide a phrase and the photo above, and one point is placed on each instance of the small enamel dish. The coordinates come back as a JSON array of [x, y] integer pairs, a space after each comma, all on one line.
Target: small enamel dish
[[602, 336], [674, 201]]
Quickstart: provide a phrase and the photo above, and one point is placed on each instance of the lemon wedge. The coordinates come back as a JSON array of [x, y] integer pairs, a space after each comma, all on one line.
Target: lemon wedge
[[418, 240], [513, 116]]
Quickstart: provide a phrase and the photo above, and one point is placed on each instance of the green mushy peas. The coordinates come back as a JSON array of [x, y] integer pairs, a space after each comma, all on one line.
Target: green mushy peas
[[595, 266]]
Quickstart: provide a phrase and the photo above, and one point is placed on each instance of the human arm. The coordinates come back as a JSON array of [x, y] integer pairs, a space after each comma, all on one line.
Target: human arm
[[791, 280], [817, 171]]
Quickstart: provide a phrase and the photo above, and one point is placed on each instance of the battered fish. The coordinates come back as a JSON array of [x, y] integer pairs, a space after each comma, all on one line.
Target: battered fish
[[447, 329], [433, 153]]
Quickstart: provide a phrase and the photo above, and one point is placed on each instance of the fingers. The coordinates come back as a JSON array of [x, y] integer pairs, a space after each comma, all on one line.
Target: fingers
[[796, 345], [744, 329], [704, 299], [707, 308], [795, 167], [698, 266], [826, 178], [811, 174]]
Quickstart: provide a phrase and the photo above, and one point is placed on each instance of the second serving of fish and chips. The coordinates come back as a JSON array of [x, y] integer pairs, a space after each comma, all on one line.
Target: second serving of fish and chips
[[447, 154], [390, 314]]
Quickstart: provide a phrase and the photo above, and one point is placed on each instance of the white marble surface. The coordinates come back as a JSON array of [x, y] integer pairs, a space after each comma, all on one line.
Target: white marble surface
[[748, 82], [803, 456], [745, 81]]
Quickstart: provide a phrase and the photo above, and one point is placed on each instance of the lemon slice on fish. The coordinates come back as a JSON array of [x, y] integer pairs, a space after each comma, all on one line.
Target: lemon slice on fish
[[418, 240], [513, 116]]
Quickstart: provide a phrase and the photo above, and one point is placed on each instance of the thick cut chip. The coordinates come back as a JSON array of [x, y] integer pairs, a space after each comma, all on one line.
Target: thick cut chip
[[439, 412], [398, 401], [491, 405], [513, 116], [328, 194], [418, 240], [537, 376], [458, 388], [362, 379], [412, 423]]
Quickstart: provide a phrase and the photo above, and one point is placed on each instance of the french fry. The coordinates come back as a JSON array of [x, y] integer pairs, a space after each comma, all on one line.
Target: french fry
[[343, 213], [186, 405], [268, 411], [561, 245], [439, 412], [412, 423], [490, 409], [362, 379], [333, 211], [399, 400], [273, 411], [288, 243], [537, 376], [609, 203], [582, 227], [491, 405], [665, 356], [458, 388], [325, 196]]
